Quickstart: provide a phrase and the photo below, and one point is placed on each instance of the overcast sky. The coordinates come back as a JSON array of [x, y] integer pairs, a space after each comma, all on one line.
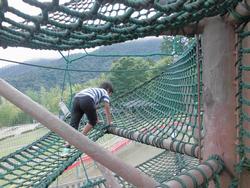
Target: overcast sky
[[24, 54]]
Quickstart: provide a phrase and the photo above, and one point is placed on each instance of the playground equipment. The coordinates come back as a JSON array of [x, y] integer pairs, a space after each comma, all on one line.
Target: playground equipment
[[197, 109]]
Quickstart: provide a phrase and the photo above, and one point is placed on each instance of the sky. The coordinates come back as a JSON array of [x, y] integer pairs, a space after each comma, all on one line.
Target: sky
[[24, 54]]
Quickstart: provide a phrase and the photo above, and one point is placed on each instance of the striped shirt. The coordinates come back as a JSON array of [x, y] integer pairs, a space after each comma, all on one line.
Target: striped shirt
[[97, 94]]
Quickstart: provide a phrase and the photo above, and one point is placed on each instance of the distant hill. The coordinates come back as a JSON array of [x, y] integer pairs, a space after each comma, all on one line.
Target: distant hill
[[24, 77]]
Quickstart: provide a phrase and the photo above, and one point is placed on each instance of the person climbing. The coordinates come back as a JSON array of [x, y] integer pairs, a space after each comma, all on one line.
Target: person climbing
[[86, 102]]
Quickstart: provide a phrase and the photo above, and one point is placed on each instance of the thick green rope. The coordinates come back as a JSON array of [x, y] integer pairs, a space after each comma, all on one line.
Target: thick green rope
[[243, 149], [38, 164], [163, 109], [85, 24]]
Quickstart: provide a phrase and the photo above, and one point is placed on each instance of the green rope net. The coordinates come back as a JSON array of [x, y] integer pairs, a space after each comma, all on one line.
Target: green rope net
[[89, 23], [168, 166], [163, 112], [243, 66], [165, 109], [40, 163], [97, 182], [165, 166]]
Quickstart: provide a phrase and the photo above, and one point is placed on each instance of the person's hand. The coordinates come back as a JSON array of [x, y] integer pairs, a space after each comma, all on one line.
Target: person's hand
[[111, 123]]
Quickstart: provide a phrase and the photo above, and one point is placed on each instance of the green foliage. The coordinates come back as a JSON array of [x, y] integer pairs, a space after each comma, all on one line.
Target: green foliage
[[11, 115], [161, 65], [7, 114], [34, 78], [47, 92], [33, 95], [123, 79], [176, 45], [91, 83], [50, 98], [128, 73]]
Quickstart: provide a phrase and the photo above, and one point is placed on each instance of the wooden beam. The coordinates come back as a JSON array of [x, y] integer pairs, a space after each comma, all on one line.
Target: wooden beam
[[196, 173], [218, 43], [166, 143]]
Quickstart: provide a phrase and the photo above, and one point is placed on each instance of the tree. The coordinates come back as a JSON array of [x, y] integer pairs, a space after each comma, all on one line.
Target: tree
[[160, 66], [128, 73], [8, 114], [176, 45]]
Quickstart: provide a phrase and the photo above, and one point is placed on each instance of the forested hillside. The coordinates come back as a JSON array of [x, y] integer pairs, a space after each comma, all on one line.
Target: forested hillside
[[27, 77]]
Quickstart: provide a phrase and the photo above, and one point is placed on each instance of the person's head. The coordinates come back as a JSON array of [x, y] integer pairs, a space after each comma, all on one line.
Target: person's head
[[107, 86]]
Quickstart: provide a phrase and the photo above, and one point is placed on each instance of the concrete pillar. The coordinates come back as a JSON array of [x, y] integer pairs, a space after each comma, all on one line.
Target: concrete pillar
[[219, 94]]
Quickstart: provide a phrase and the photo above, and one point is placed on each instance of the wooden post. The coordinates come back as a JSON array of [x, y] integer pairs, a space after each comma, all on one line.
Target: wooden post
[[219, 94], [75, 138]]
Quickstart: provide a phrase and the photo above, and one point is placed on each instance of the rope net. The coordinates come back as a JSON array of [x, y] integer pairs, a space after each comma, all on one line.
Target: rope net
[[168, 166], [243, 68], [162, 112], [75, 24], [164, 166], [165, 109], [40, 163]]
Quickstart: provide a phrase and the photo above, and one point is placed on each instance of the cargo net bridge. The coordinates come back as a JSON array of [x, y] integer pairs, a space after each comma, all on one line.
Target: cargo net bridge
[[197, 110]]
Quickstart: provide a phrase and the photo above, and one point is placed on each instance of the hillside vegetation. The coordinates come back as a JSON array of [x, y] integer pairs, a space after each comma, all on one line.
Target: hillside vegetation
[[49, 86], [34, 78]]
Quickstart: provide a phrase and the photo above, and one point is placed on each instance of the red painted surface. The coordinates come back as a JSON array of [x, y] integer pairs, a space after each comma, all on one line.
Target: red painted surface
[[113, 149]]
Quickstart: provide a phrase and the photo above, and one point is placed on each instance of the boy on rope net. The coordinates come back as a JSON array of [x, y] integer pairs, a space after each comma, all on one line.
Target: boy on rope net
[[86, 102]]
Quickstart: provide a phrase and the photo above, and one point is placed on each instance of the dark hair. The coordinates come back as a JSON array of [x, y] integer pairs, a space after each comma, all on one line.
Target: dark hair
[[107, 86]]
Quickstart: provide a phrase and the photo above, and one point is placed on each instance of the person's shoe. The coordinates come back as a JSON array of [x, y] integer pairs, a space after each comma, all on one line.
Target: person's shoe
[[65, 152], [67, 145]]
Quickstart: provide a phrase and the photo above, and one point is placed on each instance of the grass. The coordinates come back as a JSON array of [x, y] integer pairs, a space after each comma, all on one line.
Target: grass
[[16, 142]]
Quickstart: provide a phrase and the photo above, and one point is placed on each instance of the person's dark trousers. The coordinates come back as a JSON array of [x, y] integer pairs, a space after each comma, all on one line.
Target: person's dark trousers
[[80, 106], [76, 113]]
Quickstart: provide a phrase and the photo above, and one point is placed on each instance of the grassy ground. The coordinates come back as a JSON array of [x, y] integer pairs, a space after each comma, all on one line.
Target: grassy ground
[[11, 144]]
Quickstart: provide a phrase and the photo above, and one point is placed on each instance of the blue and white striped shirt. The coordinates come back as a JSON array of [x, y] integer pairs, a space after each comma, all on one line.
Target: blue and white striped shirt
[[97, 94]]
